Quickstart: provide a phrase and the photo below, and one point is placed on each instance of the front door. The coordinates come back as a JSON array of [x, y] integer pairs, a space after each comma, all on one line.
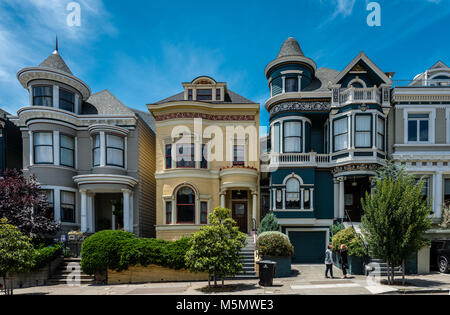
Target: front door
[[240, 216]]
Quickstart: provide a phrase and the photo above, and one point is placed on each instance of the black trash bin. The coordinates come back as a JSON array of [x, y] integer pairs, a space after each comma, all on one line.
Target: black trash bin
[[266, 272]]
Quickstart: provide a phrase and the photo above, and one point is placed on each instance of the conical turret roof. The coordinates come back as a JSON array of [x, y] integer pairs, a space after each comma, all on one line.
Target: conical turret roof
[[55, 61], [290, 48]]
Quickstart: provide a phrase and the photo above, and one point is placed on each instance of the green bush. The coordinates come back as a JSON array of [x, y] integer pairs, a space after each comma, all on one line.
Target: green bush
[[269, 224], [102, 251], [275, 244], [118, 250], [353, 242], [336, 228], [45, 255]]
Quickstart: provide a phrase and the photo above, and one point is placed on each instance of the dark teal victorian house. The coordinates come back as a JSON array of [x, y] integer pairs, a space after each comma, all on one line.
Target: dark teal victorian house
[[328, 136]]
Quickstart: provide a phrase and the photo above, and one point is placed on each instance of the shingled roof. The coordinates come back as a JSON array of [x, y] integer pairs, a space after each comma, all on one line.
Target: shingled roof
[[290, 48], [55, 61]]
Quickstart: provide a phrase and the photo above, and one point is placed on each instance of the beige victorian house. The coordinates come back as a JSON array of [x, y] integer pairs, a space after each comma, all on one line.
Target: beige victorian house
[[207, 155]]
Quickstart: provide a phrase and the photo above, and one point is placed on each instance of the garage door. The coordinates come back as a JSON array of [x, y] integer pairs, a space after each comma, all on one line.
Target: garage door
[[309, 247]]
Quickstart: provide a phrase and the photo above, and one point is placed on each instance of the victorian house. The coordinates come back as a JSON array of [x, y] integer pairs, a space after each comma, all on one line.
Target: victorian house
[[328, 136], [207, 155], [91, 154], [419, 129]]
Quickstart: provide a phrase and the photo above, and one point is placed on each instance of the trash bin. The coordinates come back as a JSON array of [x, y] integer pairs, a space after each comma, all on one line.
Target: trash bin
[[266, 272]]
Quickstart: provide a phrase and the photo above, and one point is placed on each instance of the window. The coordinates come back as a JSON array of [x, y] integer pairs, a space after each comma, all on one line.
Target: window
[[67, 151], [363, 131], [292, 134], [168, 155], [380, 133], [204, 163], [218, 94], [204, 95], [239, 155], [425, 187], [276, 137], [67, 207], [447, 191], [418, 127], [186, 206], [168, 212], [204, 213], [115, 151], [43, 147], [293, 194], [96, 151], [49, 194], [278, 199], [66, 100], [190, 95], [307, 199], [291, 85], [185, 156], [340, 133], [43, 96]]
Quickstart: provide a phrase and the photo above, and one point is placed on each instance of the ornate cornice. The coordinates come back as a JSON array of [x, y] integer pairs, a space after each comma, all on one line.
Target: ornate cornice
[[191, 115], [356, 168], [300, 106]]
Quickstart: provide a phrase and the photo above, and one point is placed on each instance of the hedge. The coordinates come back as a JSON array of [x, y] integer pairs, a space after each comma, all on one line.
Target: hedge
[[45, 255], [118, 250], [275, 244]]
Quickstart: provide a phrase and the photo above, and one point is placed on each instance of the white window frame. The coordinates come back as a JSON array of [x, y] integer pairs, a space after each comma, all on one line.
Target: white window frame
[[431, 124]]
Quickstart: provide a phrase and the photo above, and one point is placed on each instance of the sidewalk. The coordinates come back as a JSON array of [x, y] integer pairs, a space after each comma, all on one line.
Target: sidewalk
[[307, 280]]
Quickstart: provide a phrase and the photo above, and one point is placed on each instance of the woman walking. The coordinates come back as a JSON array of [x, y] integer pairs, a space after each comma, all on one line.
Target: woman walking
[[344, 260]]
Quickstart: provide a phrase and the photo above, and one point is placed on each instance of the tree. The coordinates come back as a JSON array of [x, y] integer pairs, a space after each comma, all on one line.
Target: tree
[[16, 252], [389, 170], [24, 204], [269, 224], [396, 217], [216, 248]]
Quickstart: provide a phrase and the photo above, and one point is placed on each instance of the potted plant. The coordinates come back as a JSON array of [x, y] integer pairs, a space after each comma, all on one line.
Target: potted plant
[[356, 250], [277, 247]]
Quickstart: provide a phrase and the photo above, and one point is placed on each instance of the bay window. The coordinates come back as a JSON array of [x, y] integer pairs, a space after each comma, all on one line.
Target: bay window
[[340, 134], [96, 150], [291, 85], [204, 162], [418, 127], [363, 131], [185, 156], [50, 198], [66, 100], [67, 151], [43, 147], [67, 206], [115, 151], [381, 131], [43, 96], [168, 156], [276, 137], [239, 155], [292, 134]]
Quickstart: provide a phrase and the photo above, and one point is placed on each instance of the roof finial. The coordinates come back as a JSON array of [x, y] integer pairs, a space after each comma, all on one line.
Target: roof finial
[[56, 43]]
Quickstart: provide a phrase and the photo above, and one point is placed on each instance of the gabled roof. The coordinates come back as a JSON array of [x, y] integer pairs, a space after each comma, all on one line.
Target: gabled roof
[[362, 56], [230, 98], [55, 61], [290, 48], [104, 103], [439, 65]]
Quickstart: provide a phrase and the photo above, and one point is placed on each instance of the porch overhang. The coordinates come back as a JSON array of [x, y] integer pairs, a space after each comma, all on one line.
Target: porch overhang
[[105, 183]]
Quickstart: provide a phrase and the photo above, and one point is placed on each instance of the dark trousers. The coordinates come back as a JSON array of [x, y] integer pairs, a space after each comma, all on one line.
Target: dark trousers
[[330, 269]]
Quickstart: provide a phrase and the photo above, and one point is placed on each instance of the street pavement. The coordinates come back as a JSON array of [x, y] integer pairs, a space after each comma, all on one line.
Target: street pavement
[[306, 280]]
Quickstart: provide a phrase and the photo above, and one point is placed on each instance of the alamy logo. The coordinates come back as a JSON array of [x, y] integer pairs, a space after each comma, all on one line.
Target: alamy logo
[[74, 277], [74, 17], [374, 17]]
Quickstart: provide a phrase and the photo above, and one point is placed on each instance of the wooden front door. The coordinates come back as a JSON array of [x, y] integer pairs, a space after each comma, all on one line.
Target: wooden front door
[[240, 216]]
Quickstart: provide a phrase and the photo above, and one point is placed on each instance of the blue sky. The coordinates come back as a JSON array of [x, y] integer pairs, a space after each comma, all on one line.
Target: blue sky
[[142, 50]]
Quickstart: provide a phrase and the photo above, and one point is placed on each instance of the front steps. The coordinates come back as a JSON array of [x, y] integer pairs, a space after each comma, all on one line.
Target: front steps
[[248, 260], [70, 273], [383, 268]]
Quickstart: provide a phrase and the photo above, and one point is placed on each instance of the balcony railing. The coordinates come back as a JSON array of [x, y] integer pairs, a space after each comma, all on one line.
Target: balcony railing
[[359, 95], [312, 159]]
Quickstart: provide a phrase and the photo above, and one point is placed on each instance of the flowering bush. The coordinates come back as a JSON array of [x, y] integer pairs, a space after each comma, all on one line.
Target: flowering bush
[[274, 244]]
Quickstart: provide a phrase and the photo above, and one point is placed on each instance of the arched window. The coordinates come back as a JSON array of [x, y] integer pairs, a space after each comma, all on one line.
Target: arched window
[[293, 194], [186, 206]]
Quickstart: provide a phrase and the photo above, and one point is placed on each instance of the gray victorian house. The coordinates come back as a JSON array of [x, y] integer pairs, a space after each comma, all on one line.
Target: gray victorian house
[[93, 156]]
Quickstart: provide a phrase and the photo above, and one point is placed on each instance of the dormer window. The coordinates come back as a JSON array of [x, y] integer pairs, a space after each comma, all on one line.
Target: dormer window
[[66, 100], [190, 95], [218, 95], [43, 96], [204, 95], [291, 85]]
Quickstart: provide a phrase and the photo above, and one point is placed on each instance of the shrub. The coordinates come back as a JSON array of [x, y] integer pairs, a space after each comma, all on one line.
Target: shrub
[[269, 224], [336, 228], [46, 255], [275, 244], [102, 251], [353, 242]]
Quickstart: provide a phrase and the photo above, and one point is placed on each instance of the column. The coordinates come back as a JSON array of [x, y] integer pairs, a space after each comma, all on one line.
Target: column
[[30, 91], [341, 198], [311, 199], [56, 159], [90, 210], [77, 104], [126, 209], [284, 84], [302, 199], [131, 212], [57, 204], [84, 227], [274, 199], [255, 210], [30, 134], [299, 83], [336, 199], [222, 200], [438, 194], [284, 198], [125, 144], [102, 149], [76, 153], [56, 96]]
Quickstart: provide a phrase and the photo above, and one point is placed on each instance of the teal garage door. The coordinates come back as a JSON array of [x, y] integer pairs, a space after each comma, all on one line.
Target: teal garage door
[[309, 247]]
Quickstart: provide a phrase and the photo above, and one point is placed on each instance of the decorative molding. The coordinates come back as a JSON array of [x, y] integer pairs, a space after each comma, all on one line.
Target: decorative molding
[[356, 168], [300, 106], [190, 115]]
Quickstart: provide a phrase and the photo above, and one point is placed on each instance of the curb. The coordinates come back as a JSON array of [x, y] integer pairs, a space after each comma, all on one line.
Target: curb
[[420, 291]]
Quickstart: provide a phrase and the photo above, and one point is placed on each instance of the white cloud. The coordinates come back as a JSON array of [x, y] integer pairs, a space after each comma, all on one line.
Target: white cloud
[[344, 8], [27, 37]]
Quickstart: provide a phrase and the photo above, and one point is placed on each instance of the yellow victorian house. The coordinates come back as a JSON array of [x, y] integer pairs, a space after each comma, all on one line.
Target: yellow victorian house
[[207, 155]]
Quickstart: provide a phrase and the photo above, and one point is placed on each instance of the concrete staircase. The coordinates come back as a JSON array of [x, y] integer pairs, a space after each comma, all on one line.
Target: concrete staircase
[[248, 259], [384, 268], [70, 273]]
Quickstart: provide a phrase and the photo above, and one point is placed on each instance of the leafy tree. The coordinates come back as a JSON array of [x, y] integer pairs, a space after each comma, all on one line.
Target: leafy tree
[[269, 224], [215, 248], [24, 204], [353, 242], [396, 217], [389, 170], [16, 252]]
